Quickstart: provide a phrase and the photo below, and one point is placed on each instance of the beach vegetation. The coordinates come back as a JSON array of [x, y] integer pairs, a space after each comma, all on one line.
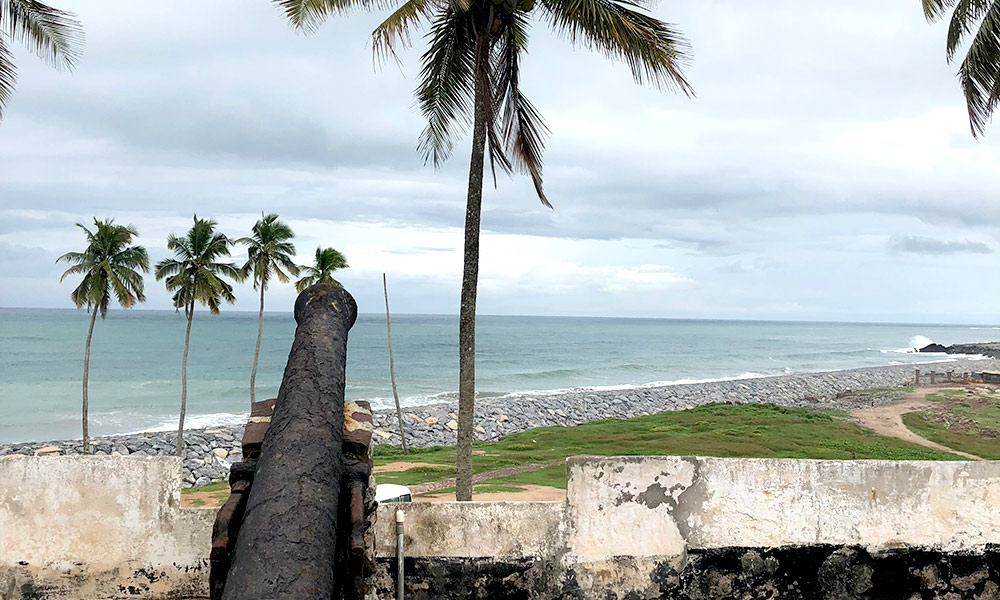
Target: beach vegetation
[[112, 267], [326, 262], [269, 255], [967, 422], [471, 77], [724, 430], [197, 275], [974, 25], [53, 35]]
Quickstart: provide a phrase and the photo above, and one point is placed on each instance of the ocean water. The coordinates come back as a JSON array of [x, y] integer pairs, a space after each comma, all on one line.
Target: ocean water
[[136, 355]]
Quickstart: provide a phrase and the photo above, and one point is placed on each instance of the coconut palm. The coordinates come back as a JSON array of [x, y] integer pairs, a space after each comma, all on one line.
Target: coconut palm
[[979, 73], [53, 35], [326, 262], [268, 252], [471, 76], [195, 274], [111, 266]]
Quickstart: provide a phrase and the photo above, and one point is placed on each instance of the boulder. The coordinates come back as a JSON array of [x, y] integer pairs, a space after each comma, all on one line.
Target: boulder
[[933, 348]]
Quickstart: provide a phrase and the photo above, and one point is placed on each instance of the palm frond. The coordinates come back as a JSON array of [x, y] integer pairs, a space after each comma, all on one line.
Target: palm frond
[[523, 127], [979, 73], [8, 74], [267, 248], [656, 52], [109, 264], [55, 36], [446, 89], [308, 15], [965, 19], [76, 270], [327, 260], [193, 275], [122, 293], [394, 31], [935, 9], [167, 267], [304, 283]]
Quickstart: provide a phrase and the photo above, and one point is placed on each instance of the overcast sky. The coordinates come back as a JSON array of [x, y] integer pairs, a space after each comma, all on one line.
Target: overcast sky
[[824, 171]]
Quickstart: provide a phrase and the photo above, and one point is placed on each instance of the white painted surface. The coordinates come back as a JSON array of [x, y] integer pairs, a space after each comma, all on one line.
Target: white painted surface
[[98, 520], [473, 529]]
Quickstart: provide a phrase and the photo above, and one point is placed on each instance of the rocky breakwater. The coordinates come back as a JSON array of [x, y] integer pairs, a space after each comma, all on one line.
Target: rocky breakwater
[[496, 417], [991, 349], [208, 453]]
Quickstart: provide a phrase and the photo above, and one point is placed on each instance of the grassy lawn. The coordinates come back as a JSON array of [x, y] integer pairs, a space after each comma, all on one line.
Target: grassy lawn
[[725, 430], [969, 423], [747, 430], [213, 494]]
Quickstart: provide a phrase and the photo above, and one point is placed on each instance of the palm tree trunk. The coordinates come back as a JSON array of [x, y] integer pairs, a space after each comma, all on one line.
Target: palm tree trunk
[[184, 380], [392, 367], [256, 352], [470, 281], [86, 380]]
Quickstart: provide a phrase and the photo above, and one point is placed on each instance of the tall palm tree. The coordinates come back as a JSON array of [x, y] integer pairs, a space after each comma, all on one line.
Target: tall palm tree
[[326, 262], [471, 75], [195, 274], [979, 73], [53, 35], [268, 251], [110, 265]]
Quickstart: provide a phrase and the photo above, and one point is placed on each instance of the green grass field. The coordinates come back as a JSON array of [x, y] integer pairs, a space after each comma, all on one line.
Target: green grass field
[[724, 430], [748, 430], [965, 422]]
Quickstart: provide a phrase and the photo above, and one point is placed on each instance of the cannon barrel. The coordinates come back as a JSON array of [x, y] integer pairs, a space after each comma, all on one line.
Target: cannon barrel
[[284, 549]]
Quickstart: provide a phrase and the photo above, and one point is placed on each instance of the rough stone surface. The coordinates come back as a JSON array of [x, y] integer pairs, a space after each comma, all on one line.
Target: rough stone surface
[[814, 572], [92, 527], [705, 528], [113, 529], [287, 541]]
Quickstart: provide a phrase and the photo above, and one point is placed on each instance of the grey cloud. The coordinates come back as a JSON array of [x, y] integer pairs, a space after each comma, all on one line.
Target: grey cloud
[[924, 245]]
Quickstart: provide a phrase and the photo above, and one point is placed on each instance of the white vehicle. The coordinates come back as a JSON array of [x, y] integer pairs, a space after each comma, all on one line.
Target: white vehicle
[[390, 492]]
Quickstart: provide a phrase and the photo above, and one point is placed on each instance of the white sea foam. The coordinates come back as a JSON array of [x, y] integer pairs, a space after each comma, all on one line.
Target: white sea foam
[[206, 421], [916, 343], [631, 386]]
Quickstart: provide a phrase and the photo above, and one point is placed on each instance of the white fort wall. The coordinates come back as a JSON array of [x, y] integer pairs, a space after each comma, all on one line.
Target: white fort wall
[[662, 506], [99, 527], [111, 527]]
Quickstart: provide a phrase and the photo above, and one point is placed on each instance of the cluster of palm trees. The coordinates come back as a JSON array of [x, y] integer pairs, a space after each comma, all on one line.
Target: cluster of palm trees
[[112, 266]]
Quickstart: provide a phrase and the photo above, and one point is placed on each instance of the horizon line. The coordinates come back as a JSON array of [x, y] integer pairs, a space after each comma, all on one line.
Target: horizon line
[[646, 318]]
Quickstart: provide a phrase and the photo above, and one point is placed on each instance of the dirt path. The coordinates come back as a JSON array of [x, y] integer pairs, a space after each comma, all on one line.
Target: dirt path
[[888, 421], [402, 465], [432, 486]]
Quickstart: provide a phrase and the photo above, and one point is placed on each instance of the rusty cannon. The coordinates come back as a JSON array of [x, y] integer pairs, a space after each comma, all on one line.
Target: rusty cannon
[[297, 524]]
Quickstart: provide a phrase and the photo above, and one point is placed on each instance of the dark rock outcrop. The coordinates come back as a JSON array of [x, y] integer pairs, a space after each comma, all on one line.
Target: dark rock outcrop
[[933, 348], [991, 349]]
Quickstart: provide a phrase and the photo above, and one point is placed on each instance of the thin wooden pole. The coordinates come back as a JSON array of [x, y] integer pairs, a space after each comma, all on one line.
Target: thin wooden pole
[[392, 366]]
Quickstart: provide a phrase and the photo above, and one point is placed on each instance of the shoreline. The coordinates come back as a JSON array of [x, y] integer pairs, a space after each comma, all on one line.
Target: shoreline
[[209, 452]]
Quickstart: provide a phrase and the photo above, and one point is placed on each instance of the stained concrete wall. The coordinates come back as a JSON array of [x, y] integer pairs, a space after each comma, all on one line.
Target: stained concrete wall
[[668, 504], [478, 529], [684, 527], [632, 527], [99, 527]]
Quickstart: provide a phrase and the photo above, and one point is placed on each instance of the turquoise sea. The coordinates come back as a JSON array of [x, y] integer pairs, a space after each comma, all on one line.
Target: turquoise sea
[[135, 361]]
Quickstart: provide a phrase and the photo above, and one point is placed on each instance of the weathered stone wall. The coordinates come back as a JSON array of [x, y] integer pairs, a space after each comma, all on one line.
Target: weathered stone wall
[[683, 527], [632, 527], [99, 527]]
